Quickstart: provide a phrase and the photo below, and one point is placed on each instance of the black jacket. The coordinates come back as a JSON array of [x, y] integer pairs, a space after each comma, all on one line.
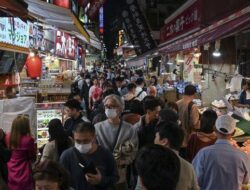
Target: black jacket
[[5, 155], [146, 133], [70, 125]]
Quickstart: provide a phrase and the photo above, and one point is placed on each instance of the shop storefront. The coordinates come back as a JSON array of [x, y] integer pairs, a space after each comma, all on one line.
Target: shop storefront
[[212, 56], [196, 56]]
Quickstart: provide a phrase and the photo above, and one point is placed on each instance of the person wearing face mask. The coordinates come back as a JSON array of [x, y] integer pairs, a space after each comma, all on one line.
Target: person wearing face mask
[[147, 124], [118, 136], [77, 160]]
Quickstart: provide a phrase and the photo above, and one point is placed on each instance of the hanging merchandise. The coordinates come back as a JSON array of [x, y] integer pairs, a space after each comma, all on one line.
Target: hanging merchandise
[[34, 66]]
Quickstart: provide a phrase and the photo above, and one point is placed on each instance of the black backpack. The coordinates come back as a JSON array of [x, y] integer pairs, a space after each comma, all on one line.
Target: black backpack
[[74, 88]]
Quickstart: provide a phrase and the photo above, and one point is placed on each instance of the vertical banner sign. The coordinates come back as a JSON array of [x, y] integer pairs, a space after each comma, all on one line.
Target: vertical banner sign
[[95, 5], [137, 28], [101, 21], [83, 3], [65, 45]]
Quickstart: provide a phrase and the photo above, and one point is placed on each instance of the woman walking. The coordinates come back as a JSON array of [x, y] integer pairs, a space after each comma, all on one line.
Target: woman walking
[[23, 153]]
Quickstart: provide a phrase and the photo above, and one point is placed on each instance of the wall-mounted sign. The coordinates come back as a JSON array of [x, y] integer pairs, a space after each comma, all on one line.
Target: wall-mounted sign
[[14, 31], [35, 36], [184, 22], [65, 45]]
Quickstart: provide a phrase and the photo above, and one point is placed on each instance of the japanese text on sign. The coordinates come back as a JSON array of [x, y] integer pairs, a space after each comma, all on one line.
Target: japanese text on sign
[[14, 31], [184, 22]]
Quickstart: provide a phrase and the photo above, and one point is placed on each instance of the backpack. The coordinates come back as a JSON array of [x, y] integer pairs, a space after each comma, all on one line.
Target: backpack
[[74, 89]]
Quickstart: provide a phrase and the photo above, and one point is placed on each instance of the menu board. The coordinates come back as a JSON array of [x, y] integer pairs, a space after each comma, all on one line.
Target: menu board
[[43, 118]]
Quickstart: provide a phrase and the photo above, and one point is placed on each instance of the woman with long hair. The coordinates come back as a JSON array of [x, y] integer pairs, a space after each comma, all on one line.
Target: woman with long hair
[[23, 153], [58, 142], [154, 82]]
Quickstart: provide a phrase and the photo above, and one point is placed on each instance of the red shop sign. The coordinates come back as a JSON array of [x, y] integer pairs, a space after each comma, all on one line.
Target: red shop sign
[[94, 8], [189, 19], [65, 45]]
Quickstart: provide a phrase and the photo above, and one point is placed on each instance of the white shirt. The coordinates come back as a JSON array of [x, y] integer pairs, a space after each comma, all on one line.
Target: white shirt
[[142, 95], [236, 83]]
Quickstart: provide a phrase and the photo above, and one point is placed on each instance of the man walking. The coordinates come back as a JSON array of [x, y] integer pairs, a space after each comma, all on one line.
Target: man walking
[[221, 166]]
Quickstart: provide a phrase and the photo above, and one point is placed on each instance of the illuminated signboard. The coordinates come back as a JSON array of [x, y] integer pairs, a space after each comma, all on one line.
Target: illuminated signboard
[[101, 21], [65, 45], [14, 31]]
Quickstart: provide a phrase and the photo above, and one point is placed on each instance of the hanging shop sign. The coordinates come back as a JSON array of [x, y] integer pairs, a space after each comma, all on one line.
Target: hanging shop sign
[[137, 28], [184, 22], [14, 31], [65, 45], [95, 6]]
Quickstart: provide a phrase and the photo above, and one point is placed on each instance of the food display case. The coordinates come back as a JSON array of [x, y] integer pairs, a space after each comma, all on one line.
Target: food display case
[[45, 113]]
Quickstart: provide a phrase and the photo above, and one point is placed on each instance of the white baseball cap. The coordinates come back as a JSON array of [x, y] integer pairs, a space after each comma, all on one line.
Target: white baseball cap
[[225, 124]]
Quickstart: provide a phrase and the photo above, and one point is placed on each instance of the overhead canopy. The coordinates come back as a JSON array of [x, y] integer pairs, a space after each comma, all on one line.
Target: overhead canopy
[[14, 8], [59, 17], [236, 22], [94, 41], [136, 62]]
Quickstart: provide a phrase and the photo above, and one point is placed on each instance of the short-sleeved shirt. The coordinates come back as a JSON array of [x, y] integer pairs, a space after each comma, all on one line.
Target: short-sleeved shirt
[[221, 166]]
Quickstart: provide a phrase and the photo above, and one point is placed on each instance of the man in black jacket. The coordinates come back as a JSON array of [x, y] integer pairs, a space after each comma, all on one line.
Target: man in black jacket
[[147, 125], [91, 166], [73, 110]]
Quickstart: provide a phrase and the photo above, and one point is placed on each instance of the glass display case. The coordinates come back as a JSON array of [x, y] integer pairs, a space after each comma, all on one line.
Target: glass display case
[[45, 113]]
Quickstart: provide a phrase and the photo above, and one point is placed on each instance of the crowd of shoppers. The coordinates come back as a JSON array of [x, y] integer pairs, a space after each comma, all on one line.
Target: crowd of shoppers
[[120, 135]]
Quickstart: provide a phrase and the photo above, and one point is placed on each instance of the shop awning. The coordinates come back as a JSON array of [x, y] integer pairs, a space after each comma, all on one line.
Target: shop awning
[[59, 17], [235, 23], [136, 62], [94, 41], [13, 8]]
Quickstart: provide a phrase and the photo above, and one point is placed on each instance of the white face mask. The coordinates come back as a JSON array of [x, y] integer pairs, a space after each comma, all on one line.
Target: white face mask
[[88, 81], [83, 148], [111, 113]]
